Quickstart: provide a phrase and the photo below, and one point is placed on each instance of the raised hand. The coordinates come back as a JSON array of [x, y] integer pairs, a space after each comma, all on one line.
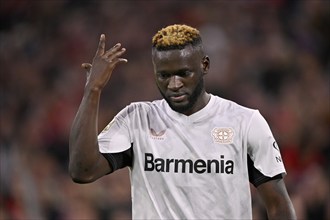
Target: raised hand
[[104, 62]]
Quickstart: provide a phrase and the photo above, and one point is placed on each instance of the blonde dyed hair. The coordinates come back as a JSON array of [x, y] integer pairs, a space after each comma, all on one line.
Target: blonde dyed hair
[[176, 36]]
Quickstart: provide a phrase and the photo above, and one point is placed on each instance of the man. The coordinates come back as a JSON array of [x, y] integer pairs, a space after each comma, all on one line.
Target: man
[[192, 154]]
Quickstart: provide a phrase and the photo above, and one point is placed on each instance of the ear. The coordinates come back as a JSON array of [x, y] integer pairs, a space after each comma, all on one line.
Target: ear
[[205, 64]]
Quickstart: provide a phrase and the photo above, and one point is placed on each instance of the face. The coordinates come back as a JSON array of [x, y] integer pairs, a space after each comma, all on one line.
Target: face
[[179, 77]]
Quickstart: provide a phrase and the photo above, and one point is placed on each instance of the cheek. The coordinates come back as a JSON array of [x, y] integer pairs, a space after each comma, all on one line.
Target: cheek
[[161, 84], [193, 82]]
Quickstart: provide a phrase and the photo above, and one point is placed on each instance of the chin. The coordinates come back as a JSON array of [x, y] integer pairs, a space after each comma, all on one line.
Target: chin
[[180, 107]]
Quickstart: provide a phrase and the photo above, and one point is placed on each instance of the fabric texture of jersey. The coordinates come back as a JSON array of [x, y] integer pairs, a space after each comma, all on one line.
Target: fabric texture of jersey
[[192, 167]]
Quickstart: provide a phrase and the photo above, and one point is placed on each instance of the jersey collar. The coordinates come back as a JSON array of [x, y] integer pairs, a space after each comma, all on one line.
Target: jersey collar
[[198, 116]]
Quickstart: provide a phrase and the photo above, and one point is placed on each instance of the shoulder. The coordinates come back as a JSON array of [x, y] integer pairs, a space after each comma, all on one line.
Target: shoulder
[[233, 108], [140, 107], [144, 105]]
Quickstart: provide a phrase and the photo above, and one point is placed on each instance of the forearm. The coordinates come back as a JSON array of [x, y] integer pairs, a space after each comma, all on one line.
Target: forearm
[[283, 210], [83, 151], [277, 200]]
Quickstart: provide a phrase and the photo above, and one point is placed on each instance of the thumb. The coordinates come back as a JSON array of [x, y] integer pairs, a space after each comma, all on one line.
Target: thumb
[[86, 66]]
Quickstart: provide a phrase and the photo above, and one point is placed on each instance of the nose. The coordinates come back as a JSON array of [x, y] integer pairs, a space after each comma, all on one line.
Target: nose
[[175, 83]]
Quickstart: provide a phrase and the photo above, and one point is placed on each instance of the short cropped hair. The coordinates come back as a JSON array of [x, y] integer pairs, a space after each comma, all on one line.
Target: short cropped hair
[[176, 36]]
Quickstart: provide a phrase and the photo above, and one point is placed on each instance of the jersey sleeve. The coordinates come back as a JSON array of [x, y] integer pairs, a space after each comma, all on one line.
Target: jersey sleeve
[[262, 147], [256, 177], [116, 137], [119, 160]]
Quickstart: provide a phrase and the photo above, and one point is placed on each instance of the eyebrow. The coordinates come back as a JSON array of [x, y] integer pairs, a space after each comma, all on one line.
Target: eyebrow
[[174, 73]]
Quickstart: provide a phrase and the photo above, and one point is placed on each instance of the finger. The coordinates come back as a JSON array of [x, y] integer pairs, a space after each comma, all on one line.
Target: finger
[[119, 60], [100, 49], [122, 60], [86, 66], [116, 54], [112, 50]]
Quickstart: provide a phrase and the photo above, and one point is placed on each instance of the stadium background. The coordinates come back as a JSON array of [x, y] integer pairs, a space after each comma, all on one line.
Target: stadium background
[[272, 55]]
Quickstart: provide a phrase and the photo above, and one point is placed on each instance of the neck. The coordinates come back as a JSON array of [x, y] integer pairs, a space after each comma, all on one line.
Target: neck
[[200, 103]]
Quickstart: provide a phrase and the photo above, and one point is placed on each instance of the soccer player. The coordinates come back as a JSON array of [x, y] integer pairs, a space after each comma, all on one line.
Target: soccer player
[[192, 154]]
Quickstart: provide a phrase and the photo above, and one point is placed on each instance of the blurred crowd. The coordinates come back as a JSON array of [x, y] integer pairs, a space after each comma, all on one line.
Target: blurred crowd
[[271, 55]]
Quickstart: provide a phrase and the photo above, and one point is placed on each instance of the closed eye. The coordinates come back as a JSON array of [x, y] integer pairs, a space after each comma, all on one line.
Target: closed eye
[[164, 75], [184, 73], [181, 73]]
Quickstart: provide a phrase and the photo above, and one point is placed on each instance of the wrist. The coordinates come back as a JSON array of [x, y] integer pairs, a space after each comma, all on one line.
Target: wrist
[[92, 91]]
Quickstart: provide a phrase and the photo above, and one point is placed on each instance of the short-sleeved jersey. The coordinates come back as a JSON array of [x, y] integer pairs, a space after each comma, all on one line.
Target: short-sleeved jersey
[[192, 167]]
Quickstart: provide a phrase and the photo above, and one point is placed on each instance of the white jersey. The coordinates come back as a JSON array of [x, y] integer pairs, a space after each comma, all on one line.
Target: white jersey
[[192, 167]]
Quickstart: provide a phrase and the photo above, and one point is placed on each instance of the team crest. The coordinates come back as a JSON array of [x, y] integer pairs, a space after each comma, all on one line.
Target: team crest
[[223, 135]]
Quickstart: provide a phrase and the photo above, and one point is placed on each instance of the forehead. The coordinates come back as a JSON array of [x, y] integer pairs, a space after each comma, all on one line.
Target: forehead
[[188, 57]]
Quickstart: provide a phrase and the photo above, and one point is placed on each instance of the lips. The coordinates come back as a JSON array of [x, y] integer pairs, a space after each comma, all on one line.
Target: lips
[[178, 97]]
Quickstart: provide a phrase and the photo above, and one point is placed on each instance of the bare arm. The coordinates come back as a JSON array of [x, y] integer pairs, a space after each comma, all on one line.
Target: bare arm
[[276, 199], [86, 163]]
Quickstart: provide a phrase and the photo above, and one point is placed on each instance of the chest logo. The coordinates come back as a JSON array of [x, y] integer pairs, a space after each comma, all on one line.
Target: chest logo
[[222, 135], [157, 135]]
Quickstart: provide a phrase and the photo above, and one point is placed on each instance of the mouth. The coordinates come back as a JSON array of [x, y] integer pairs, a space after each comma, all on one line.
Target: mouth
[[178, 97]]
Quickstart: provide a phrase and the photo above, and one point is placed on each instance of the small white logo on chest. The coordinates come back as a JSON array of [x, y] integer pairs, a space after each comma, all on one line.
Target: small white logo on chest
[[223, 135], [157, 135]]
